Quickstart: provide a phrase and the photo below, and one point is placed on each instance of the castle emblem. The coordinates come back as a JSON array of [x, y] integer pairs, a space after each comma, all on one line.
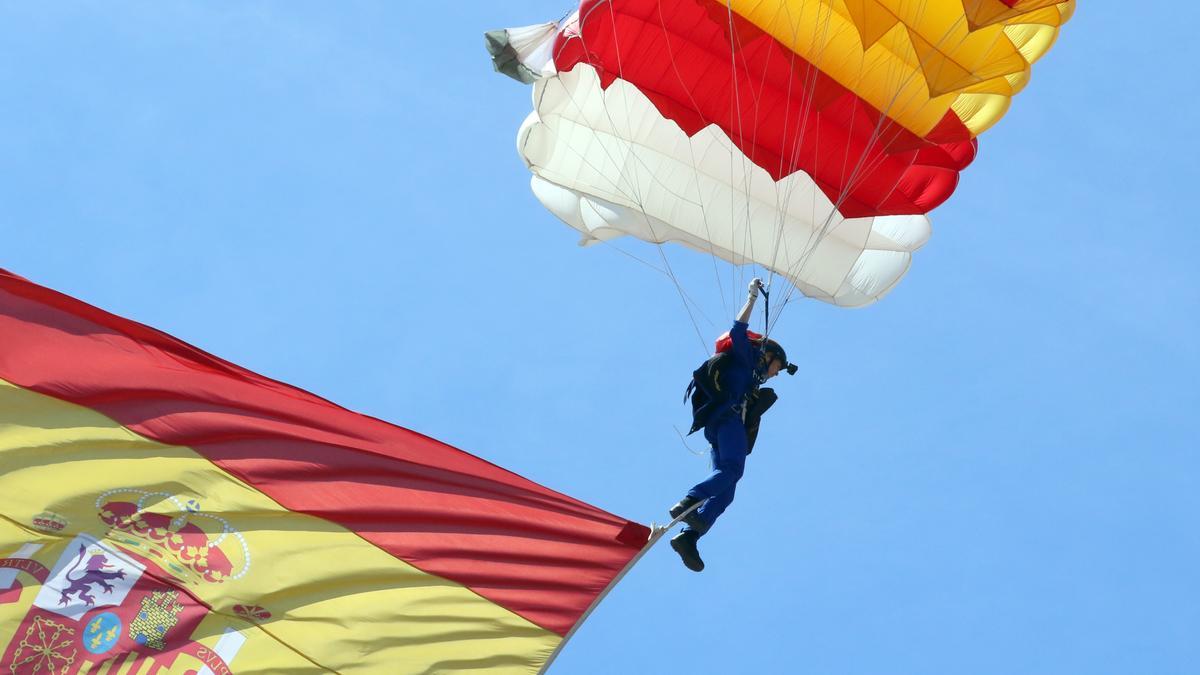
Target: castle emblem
[[159, 614]]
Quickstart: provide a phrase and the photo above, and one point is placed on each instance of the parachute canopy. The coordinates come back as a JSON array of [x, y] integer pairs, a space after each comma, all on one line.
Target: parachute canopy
[[810, 137]]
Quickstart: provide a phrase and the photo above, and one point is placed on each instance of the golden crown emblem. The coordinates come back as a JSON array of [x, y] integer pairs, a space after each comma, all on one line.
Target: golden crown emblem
[[175, 534]]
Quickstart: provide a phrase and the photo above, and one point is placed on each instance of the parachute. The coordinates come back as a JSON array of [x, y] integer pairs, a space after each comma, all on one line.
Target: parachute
[[808, 137]]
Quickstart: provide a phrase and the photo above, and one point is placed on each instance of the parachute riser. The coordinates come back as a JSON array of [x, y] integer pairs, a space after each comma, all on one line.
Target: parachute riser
[[766, 309]]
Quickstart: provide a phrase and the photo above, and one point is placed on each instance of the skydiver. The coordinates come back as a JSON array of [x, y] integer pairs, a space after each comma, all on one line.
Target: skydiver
[[727, 403]]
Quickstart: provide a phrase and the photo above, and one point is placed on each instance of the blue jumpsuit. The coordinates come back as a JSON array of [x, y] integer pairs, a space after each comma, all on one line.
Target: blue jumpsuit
[[726, 432]]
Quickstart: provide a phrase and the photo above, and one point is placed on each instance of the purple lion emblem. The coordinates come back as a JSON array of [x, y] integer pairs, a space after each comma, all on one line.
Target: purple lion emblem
[[93, 574]]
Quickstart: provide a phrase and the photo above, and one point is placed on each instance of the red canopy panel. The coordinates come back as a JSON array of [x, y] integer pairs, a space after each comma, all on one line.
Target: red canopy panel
[[777, 108]]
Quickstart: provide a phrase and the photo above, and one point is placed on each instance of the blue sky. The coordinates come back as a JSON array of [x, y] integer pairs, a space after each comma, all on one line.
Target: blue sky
[[993, 471]]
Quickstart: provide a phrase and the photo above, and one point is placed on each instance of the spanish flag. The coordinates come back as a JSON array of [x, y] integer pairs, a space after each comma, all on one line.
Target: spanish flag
[[165, 511]]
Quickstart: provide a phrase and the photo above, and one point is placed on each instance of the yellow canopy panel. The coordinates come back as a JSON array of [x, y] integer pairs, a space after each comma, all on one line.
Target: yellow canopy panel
[[915, 60]]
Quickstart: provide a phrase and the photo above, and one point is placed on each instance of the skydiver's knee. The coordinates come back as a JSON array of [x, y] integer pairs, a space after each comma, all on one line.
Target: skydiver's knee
[[739, 471], [734, 470]]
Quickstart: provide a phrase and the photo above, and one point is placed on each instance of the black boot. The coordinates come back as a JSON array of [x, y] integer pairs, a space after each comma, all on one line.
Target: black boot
[[684, 544], [692, 519]]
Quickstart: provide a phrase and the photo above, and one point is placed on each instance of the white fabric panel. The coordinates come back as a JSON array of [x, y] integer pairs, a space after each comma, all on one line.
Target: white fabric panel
[[534, 46], [608, 164]]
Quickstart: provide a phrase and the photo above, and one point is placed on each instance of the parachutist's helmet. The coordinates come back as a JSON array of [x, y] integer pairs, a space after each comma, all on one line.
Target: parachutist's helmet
[[773, 350]]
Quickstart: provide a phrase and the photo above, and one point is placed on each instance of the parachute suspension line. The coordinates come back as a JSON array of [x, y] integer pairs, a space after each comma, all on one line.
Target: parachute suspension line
[[817, 236], [634, 194], [863, 168], [656, 534], [583, 158], [812, 75], [811, 78], [638, 198], [787, 158], [632, 190], [736, 113], [683, 439], [771, 325], [782, 207], [662, 21], [808, 88], [688, 299], [759, 95], [689, 303], [746, 250]]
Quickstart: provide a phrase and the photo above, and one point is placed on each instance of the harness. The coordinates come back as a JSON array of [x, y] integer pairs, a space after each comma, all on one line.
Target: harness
[[707, 393]]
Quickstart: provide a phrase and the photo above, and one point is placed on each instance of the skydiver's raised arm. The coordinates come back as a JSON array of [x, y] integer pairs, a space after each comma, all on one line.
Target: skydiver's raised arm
[[744, 315]]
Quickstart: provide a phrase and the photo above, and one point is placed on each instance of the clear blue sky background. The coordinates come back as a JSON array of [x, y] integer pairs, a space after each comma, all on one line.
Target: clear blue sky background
[[993, 471]]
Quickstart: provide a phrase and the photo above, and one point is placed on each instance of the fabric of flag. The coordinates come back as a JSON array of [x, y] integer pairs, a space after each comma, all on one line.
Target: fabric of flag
[[165, 511]]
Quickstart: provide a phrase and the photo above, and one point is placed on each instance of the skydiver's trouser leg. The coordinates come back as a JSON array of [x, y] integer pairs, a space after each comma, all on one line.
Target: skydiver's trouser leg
[[728, 440]]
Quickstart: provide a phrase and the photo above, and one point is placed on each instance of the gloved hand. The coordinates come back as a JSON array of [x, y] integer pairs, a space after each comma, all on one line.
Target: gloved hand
[[755, 284]]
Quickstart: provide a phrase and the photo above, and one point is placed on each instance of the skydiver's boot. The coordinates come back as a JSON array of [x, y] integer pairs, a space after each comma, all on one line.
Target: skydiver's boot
[[692, 519], [684, 544]]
